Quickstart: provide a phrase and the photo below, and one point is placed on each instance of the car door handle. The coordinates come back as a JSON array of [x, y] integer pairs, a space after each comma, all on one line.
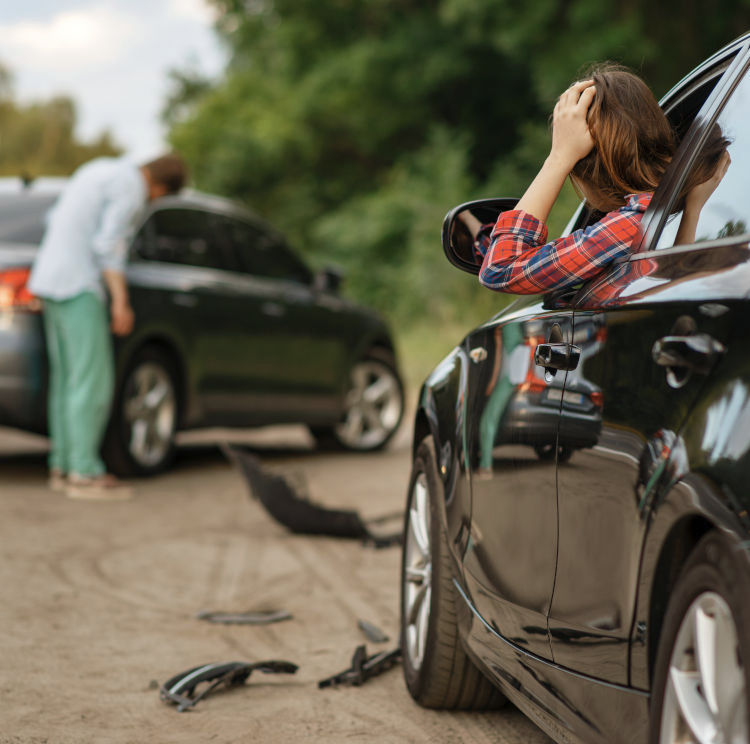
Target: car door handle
[[273, 309], [185, 300], [557, 356], [697, 352]]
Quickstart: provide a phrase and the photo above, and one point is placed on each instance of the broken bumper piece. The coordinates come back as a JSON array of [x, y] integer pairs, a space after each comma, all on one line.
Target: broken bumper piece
[[180, 690]]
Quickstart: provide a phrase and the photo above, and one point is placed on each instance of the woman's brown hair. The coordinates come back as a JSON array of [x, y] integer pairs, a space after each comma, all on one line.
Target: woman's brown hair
[[633, 141]]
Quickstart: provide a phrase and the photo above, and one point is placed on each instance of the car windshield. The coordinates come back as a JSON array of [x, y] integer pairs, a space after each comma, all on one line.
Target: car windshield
[[22, 217]]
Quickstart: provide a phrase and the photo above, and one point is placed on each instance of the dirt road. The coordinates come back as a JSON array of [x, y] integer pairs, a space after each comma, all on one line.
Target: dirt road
[[100, 602]]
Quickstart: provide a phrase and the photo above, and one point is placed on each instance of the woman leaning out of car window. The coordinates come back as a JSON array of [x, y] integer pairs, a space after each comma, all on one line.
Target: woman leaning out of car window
[[614, 141]]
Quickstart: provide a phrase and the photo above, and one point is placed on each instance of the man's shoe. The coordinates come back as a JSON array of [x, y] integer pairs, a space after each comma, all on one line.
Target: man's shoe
[[97, 488]]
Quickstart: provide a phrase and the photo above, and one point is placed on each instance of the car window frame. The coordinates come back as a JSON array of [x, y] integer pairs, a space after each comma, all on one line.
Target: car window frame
[[665, 196], [265, 231], [148, 226]]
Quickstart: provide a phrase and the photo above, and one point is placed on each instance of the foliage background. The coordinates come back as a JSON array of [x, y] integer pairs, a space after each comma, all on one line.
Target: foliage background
[[39, 138], [354, 125]]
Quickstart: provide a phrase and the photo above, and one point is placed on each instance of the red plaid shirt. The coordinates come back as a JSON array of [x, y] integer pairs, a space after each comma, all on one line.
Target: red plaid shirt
[[517, 258]]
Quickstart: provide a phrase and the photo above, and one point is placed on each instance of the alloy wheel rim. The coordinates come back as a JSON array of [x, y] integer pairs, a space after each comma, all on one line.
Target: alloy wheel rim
[[373, 406], [417, 573], [705, 700], [150, 413]]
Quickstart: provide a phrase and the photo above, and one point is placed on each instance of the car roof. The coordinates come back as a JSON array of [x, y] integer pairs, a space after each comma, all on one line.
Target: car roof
[[45, 189], [51, 186], [44, 185], [193, 199]]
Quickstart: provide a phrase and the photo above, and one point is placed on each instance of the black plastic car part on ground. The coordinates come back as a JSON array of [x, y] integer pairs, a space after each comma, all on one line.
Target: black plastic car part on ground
[[232, 330], [577, 527], [182, 689], [291, 506]]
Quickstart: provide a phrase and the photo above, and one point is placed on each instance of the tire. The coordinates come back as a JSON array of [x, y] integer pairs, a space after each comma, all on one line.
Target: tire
[[705, 628], [437, 671], [546, 452], [367, 425], [140, 438]]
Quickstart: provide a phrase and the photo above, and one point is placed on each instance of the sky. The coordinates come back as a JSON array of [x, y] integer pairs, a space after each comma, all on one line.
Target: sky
[[111, 56]]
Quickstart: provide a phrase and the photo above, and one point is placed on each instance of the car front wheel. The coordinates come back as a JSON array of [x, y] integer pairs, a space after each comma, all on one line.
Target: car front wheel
[[701, 678], [437, 671], [140, 438]]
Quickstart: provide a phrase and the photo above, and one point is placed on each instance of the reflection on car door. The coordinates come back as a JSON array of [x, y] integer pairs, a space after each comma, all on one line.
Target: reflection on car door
[[514, 416], [604, 491]]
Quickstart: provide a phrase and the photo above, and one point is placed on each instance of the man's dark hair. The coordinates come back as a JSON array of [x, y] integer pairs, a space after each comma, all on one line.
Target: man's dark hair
[[169, 170]]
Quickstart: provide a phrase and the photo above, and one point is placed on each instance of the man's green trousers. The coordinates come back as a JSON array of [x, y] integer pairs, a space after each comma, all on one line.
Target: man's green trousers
[[79, 347]]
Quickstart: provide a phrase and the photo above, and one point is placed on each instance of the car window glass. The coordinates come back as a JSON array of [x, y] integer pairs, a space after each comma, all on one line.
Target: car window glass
[[262, 253], [727, 211], [184, 236]]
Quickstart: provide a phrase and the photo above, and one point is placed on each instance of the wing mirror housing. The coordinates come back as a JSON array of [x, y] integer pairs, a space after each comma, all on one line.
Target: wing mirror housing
[[328, 280], [461, 225]]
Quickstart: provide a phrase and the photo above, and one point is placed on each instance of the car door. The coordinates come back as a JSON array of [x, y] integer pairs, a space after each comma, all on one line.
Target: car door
[[183, 283], [666, 316], [514, 407]]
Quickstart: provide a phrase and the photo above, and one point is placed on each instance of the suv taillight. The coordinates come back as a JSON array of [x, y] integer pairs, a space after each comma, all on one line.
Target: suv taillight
[[13, 292]]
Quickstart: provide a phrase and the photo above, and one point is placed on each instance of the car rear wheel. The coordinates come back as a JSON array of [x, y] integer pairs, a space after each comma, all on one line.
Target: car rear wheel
[[140, 439], [701, 678], [437, 671], [374, 406]]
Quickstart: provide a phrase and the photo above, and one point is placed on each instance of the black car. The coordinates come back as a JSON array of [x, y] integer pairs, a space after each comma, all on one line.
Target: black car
[[232, 329], [597, 573]]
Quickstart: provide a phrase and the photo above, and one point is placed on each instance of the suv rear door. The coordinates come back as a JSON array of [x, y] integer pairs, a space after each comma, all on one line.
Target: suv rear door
[[186, 289]]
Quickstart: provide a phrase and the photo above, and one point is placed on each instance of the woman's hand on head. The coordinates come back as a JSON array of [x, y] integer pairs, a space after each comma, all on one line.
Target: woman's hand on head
[[698, 196], [571, 138]]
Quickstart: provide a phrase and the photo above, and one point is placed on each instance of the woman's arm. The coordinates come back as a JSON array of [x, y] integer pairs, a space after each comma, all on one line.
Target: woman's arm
[[571, 141], [695, 201], [473, 225], [520, 261]]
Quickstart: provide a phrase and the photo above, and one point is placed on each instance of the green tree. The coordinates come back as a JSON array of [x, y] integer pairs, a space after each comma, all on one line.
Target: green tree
[[39, 138]]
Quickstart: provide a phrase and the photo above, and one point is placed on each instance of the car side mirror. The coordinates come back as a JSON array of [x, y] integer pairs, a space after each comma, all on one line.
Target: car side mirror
[[328, 280], [461, 225]]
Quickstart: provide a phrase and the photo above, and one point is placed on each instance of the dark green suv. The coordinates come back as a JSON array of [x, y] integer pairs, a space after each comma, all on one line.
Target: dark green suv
[[232, 329]]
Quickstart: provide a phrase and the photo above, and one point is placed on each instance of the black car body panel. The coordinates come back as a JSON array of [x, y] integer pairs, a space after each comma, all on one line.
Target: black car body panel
[[569, 706]]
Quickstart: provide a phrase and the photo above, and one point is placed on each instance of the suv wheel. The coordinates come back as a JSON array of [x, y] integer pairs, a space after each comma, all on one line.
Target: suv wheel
[[437, 671], [373, 409], [140, 439]]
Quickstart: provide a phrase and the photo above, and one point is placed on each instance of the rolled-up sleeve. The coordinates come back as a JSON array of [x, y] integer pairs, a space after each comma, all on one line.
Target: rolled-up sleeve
[[520, 261], [117, 224]]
